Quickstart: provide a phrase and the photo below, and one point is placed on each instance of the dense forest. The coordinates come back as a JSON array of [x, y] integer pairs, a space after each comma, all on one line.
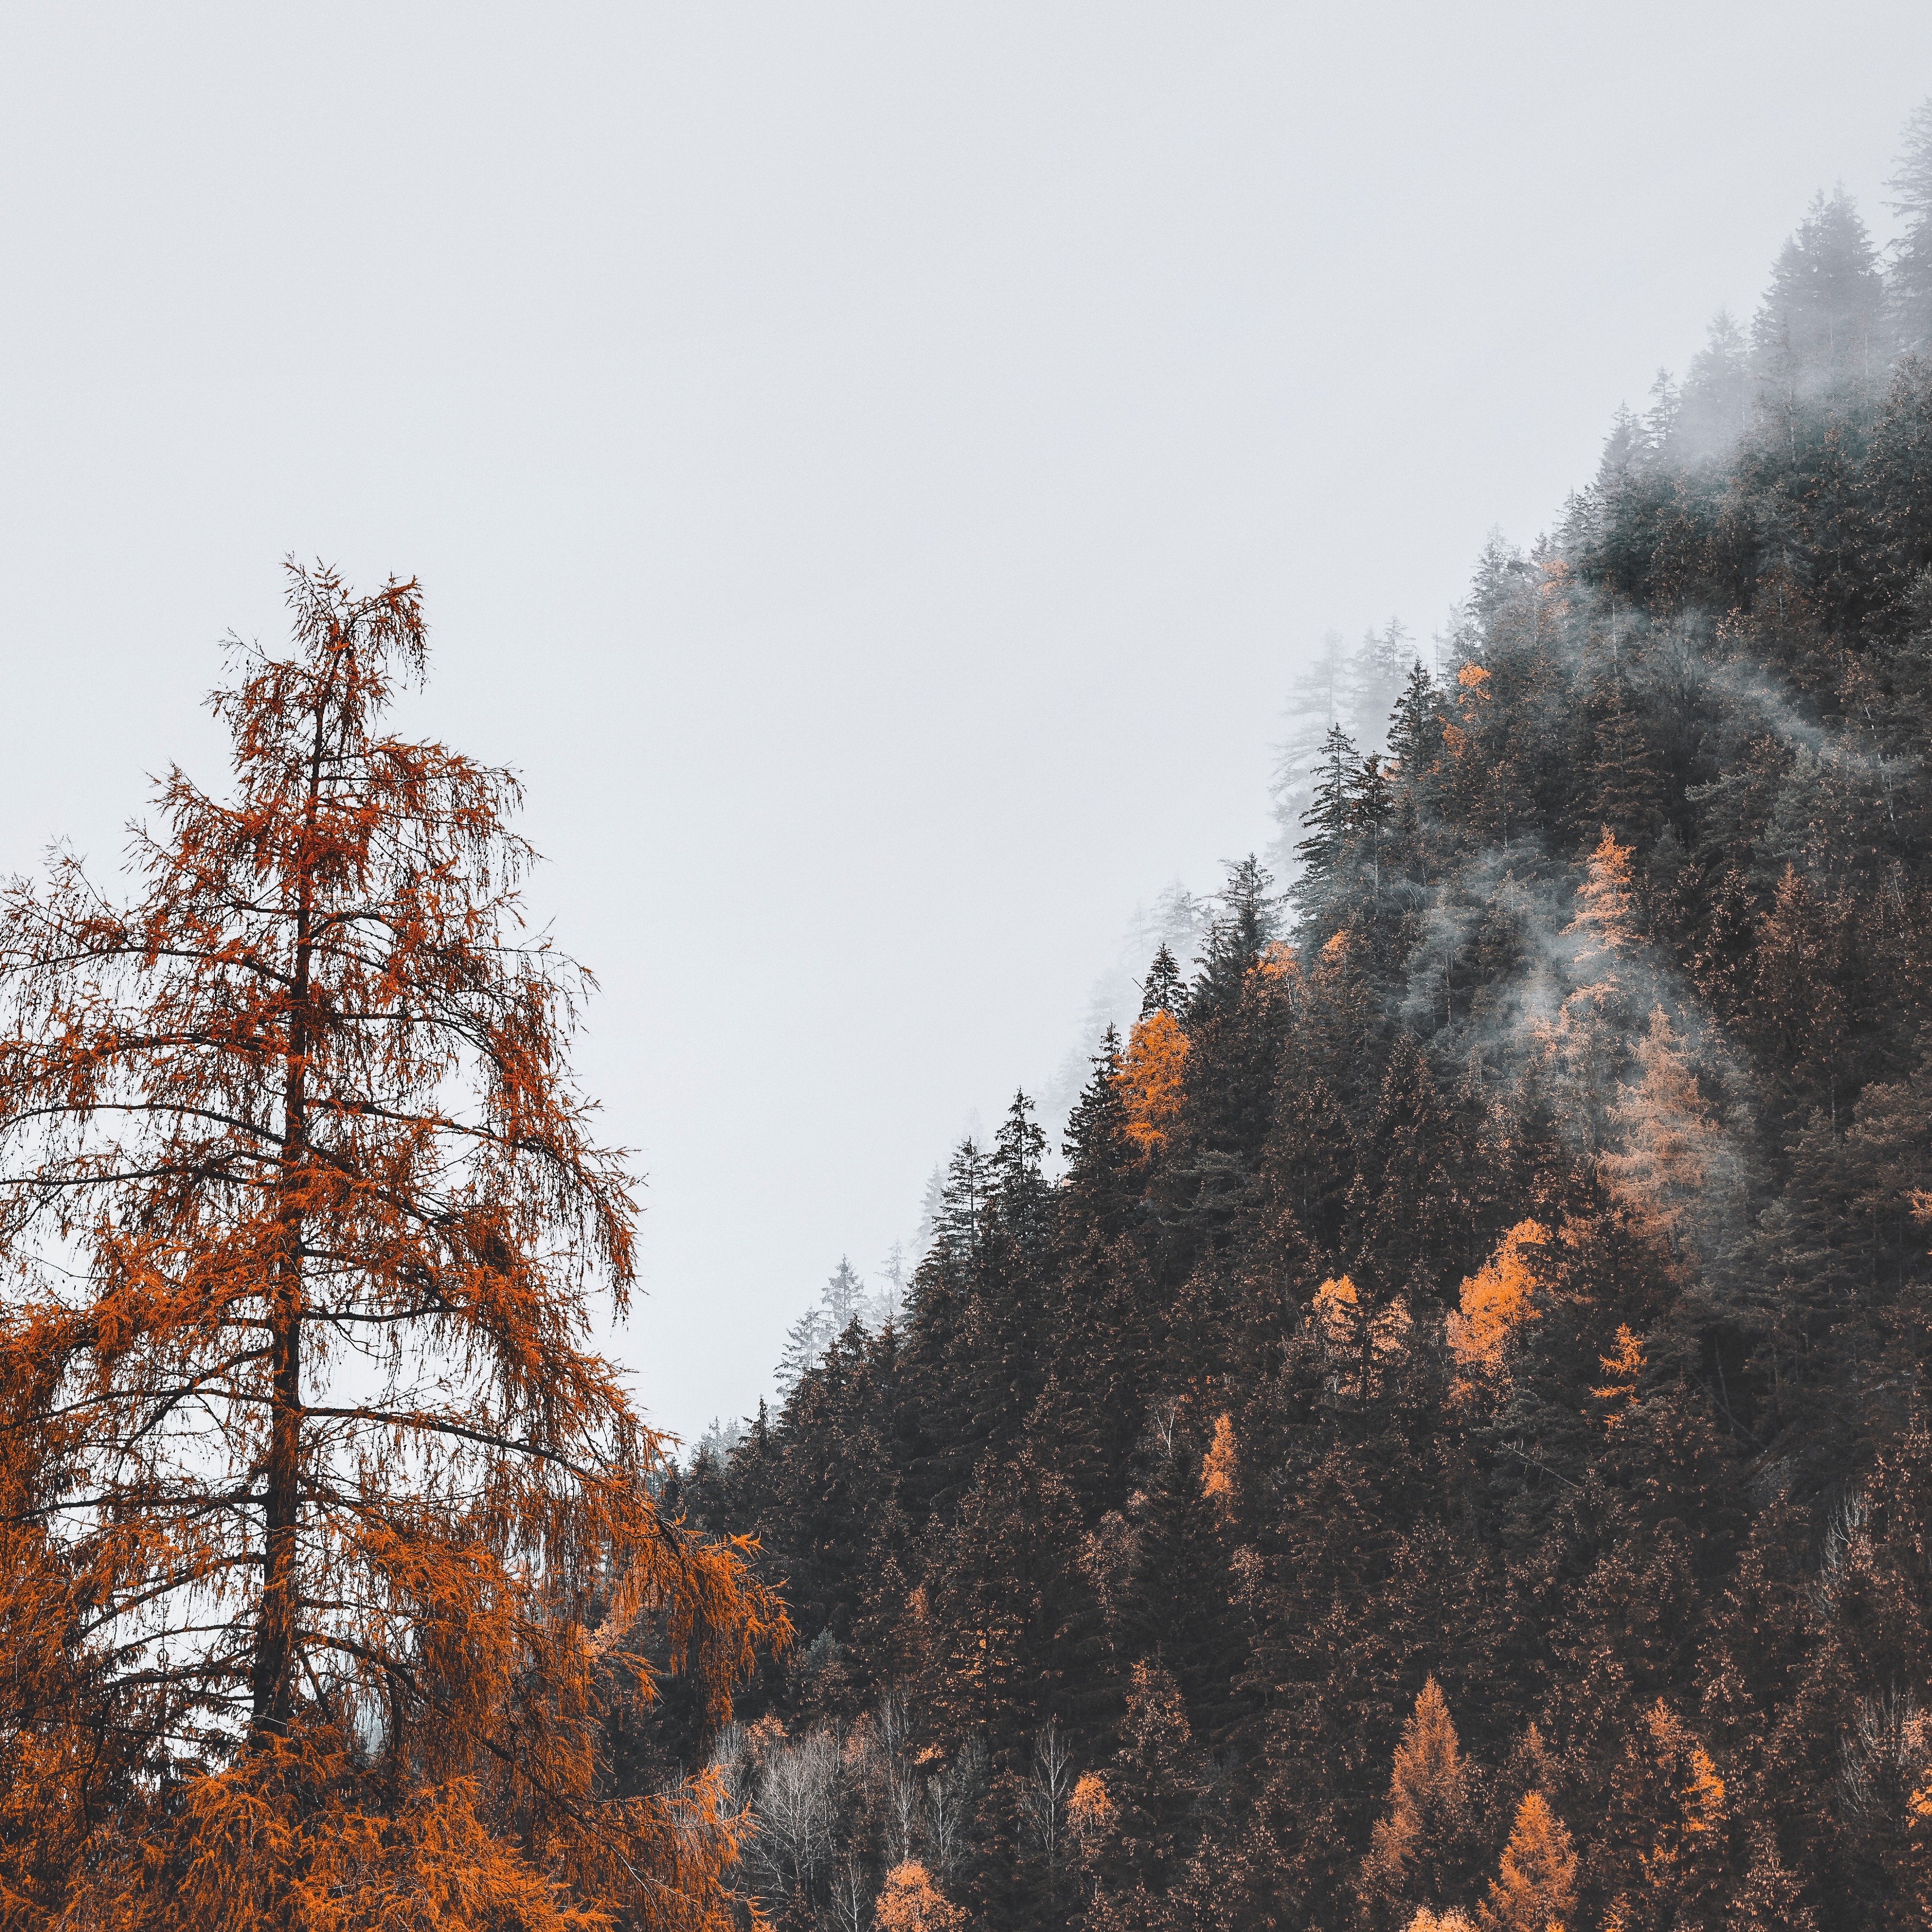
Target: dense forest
[[1442, 1444], [1449, 1448]]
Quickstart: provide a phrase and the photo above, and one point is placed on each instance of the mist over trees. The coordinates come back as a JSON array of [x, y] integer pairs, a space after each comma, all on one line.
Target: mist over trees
[[1445, 1450], [1448, 1448]]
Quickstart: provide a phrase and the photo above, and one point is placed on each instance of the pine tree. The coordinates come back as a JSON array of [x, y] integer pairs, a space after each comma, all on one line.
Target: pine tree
[[1326, 820], [1018, 1184], [937, 1439], [965, 1220], [1242, 1004], [1098, 1151], [1771, 1899], [1164, 990], [1823, 317], [1155, 1778], [1371, 807], [1606, 916], [1911, 282], [1625, 792], [1404, 1201], [1670, 1141], [1104, 1354], [1671, 1811], [1721, 958], [1151, 1080], [1498, 1300], [1168, 1606], [1315, 705], [1309, 1163], [1624, 450], [1414, 727], [1375, 676], [805, 1341], [843, 1296], [1220, 1472], [1801, 1008], [1243, 926], [1714, 410]]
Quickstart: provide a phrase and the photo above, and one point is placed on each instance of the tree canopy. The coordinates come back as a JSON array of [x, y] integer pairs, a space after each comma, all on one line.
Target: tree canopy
[[333, 1540]]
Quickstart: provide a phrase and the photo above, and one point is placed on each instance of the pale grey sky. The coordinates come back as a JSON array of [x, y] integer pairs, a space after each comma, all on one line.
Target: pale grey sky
[[875, 470]]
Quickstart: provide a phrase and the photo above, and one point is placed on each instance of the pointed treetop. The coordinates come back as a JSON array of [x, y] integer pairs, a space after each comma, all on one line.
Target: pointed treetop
[[1414, 727], [965, 1204], [1326, 818], [1164, 991], [1094, 1138], [1536, 1888], [843, 1296], [1605, 916], [1019, 1148]]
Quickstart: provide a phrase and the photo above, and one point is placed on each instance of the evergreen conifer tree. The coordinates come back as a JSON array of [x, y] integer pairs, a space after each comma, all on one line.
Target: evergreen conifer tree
[[1911, 281], [1326, 821], [1414, 727], [1823, 318], [1164, 990]]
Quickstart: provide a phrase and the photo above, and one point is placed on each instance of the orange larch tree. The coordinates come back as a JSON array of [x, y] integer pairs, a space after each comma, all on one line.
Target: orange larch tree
[[1153, 1079], [324, 1525], [1536, 1888], [1420, 1845], [1220, 1472], [1496, 1301]]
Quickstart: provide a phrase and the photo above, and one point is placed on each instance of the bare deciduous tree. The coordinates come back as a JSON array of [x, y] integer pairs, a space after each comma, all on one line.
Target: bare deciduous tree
[[950, 1799], [899, 1774], [1043, 1798], [797, 1810]]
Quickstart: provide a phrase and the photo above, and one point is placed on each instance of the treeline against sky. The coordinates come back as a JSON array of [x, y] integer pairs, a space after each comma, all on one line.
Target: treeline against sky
[[1451, 1447]]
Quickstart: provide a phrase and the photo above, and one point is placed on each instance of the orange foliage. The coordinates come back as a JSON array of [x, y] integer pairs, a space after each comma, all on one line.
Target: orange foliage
[[1604, 910], [1536, 1888], [1281, 964], [352, 1525], [1350, 1333], [1669, 1137], [1089, 1814], [1151, 1077], [1219, 1470], [291, 1836], [1623, 1368], [1691, 1812], [1336, 1307], [1428, 1799], [1497, 1300], [911, 1903]]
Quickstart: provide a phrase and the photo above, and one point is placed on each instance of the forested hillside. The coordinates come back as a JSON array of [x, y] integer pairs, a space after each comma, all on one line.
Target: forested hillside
[[1452, 1443]]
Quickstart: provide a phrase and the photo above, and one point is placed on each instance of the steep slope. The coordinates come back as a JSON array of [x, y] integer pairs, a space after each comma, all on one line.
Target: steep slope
[[1453, 1440]]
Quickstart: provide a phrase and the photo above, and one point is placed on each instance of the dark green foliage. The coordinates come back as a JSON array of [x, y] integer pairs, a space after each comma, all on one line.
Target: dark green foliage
[[1165, 991], [1200, 1459]]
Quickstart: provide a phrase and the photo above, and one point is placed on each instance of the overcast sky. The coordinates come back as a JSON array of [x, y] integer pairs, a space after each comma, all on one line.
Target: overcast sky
[[875, 471]]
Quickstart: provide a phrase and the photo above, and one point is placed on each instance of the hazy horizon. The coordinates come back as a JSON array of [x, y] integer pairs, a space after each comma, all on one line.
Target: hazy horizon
[[858, 465]]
